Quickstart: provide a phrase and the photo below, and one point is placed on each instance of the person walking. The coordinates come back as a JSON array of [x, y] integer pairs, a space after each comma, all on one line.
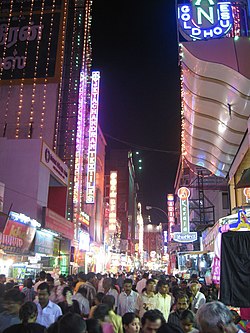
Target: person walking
[[12, 301], [198, 297], [163, 299], [48, 312], [69, 304], [215, 317], [28, 290], [28, 316], [109, 290], [147, 300], [182, 304], [127, 299]]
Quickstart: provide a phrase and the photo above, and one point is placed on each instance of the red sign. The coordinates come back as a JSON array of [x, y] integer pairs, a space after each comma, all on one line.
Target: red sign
[[17, 237], [57, 223]]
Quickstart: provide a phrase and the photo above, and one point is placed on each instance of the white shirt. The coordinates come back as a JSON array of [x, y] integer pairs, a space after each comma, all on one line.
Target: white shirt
[[48, 315], [141, 285], [198, 300], [114, 293], [145, 303], [127, 303], [83, 303], [163, 304]]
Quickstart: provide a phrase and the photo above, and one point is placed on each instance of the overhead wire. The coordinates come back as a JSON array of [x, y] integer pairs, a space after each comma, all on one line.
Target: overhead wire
[[134, 145]]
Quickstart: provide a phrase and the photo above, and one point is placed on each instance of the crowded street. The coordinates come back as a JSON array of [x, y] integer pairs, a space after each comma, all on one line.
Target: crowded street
[[124, 166]]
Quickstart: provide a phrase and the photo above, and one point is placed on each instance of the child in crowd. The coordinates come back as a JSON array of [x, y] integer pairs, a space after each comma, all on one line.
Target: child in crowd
[[187, 320]]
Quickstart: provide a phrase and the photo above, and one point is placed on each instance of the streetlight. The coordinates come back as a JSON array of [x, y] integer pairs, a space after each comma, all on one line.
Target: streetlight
[[161, 210]]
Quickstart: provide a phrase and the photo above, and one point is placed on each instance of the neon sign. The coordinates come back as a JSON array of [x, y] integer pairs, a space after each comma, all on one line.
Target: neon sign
[[185, 236], [113, 201], [171, 216], [205, 19], [78, 174], [93, 125]]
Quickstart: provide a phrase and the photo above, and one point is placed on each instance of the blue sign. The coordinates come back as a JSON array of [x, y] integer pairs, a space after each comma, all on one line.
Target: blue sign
[[205, 19], [44, 243]]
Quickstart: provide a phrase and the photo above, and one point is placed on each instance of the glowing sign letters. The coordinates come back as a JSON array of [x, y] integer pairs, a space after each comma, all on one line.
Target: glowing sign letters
[[93, 125], [185, 236], [171, 215], [78, 175], [113, 201], [205, 19]]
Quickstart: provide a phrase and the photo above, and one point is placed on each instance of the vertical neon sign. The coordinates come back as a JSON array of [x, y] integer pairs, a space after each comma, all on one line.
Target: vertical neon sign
[[171, 216], [113, 201], [78, 173], [185, 236], [93, 125]]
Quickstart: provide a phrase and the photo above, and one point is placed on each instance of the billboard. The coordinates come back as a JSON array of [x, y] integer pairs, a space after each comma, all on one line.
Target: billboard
[[28, 42], [17, 237]]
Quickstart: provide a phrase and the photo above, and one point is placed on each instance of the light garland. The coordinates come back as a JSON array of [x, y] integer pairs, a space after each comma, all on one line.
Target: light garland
[[10, 83], [46, 73], [31, 117], [20, 106], [61, 72]]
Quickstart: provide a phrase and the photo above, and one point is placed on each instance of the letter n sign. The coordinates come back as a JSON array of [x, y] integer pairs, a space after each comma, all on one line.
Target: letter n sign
[[205, 19]]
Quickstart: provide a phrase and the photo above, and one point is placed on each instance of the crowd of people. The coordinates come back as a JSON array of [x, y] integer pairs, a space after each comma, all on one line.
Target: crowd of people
[[102, 303]]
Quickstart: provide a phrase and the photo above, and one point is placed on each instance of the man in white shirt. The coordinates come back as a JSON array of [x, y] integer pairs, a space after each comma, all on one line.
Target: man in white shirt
[[142, 283], [127, 298], [163, 300], [48, 312], [109, 290], [198, 298], [147, 300], [215, 317]]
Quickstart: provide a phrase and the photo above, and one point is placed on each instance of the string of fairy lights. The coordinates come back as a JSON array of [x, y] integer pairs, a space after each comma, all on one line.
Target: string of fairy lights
[[10, 83], [31, 117], [61, 72], [46, 70], [20, 107], [184, 160], [78, 190], [70, 133]]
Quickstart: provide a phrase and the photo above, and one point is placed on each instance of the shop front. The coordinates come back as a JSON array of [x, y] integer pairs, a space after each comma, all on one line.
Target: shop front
[[16, 244], [59, 234]]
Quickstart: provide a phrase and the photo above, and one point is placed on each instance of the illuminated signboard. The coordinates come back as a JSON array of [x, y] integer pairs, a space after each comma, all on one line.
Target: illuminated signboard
[[185, 236], [113, 201], [171, 215], [78, 173], [246, 192], [205, 19], [93, 125]]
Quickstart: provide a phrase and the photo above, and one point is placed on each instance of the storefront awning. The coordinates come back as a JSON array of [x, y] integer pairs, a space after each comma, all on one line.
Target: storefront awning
[[215, 101]]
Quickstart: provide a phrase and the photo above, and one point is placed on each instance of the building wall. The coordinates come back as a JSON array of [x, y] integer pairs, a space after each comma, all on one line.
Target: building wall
[[26, 179]]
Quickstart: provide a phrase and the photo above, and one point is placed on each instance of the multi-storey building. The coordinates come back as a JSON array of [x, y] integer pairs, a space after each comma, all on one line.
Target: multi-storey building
[[46, 90]]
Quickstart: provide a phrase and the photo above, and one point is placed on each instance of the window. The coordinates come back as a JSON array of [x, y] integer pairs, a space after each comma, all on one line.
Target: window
[[225, 200]]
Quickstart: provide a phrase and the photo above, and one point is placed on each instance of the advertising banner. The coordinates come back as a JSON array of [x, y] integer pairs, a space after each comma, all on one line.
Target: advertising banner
[[57, 223], [28, 42], [44, 243], [54, 164], [17, 237]]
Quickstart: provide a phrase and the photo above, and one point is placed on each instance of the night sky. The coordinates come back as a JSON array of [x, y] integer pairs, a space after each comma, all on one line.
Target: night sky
[[135, 48]]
